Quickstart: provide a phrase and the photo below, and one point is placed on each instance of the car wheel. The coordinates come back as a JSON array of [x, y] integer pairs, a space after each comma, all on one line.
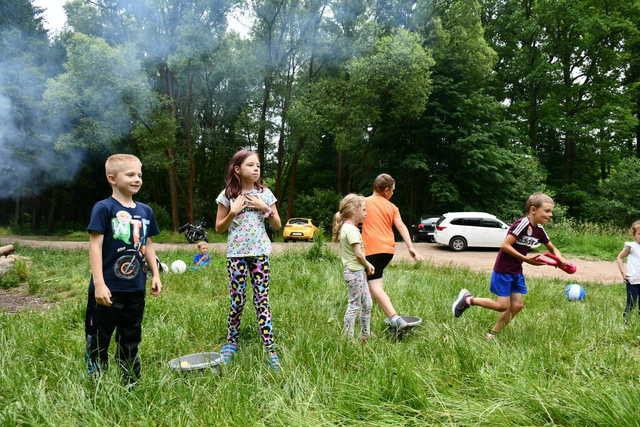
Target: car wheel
[[458, 243], [286, 240], [414, 238]]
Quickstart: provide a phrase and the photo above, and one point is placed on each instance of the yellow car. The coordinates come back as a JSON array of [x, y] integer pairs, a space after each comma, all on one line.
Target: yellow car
[[299, 229]]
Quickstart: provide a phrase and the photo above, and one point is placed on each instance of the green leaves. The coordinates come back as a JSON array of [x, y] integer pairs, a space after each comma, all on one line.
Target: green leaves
[[100, 93]]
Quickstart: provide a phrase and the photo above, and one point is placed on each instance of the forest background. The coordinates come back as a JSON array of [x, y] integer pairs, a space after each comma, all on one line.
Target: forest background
[[469, 104]]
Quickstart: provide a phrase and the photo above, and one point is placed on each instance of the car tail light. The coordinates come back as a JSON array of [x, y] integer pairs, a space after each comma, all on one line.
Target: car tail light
[[441, 227], [420, 226]]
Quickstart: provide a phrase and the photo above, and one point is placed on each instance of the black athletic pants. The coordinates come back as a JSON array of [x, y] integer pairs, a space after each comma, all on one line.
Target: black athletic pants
[[125, 318], [633, 292]]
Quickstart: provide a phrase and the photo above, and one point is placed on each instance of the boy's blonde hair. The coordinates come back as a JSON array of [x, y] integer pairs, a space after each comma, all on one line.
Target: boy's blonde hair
[[201, 243], [114, 163], [382, 182], [349, 207], [634, 227], [536, 200]]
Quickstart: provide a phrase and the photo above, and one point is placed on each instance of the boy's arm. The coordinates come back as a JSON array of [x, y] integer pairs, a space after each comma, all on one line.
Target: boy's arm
[[150, 256], [357, 250], [406, 237], [507, 247], [621, 256], [101, 292], [555, 251]]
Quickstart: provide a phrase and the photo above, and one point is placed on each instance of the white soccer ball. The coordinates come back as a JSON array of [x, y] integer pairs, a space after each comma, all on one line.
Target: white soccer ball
[[574, 292], [178, 266]]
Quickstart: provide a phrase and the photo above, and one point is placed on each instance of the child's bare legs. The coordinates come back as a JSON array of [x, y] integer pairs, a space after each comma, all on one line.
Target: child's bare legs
[[509, 306], [516, 304], [500, 304], [377, 292]]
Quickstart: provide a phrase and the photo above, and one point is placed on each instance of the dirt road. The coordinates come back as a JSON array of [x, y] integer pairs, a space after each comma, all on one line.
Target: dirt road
[[477, 260]]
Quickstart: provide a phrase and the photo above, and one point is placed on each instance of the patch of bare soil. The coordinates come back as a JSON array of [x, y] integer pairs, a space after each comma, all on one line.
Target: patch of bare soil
[[17, 299]]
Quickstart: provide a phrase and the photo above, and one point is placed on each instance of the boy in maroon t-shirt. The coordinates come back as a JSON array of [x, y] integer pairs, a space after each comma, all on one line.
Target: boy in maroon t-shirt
[[507, 280]]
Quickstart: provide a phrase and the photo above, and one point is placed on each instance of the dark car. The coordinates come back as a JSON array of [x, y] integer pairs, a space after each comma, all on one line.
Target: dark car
[[424, 230]]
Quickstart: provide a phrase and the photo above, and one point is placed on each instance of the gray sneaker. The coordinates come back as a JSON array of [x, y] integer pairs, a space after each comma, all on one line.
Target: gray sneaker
[[398, 323], [460, 304]]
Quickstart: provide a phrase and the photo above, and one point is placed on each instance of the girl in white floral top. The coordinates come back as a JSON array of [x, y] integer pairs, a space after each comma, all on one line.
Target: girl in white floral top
[[243, 206]]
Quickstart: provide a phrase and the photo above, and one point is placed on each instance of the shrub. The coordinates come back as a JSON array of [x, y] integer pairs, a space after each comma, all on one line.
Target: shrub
[[319, 206]]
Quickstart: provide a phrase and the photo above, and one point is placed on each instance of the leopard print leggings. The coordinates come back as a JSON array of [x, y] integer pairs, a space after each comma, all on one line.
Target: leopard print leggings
[[239, 269]]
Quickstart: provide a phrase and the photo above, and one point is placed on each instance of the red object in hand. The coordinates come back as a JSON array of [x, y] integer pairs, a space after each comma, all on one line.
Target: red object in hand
[[551, 259]]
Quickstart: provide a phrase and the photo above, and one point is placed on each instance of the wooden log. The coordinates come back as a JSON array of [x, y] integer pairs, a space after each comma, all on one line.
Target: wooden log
[[6, 250]]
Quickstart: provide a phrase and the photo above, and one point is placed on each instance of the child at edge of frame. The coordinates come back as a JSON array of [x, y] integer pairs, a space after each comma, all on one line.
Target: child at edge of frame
[[120, 231], [631, 277], [507, 279]]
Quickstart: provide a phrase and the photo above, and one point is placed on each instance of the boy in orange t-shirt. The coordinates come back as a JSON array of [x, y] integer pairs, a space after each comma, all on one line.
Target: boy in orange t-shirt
[[379, 242]]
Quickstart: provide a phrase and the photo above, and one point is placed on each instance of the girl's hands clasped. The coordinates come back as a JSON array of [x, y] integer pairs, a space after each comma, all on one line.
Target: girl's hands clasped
[[238, 204], [256, 202]]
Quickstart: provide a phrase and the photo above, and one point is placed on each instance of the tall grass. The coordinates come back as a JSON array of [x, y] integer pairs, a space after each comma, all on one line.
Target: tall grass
[[589, 239], [557, 363]]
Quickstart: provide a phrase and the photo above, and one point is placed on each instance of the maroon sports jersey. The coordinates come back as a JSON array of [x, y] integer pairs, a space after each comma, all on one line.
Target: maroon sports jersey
[[527, 236]]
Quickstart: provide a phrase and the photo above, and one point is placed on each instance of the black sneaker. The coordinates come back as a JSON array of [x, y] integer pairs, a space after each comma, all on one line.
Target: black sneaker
[[460, 304]]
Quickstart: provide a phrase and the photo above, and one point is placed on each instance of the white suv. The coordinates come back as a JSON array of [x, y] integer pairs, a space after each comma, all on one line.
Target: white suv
[[460, 230]]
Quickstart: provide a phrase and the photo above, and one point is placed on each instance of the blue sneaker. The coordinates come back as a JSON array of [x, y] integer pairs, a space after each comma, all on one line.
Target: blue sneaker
[[274, 362], [228, 351]]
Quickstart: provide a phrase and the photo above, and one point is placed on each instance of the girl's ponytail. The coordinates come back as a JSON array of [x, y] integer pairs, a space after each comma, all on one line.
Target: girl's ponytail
[[337, 225], [349, 206]]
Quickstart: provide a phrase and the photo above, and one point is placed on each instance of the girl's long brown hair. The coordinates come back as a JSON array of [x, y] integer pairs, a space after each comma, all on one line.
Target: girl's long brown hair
[[232, 183]]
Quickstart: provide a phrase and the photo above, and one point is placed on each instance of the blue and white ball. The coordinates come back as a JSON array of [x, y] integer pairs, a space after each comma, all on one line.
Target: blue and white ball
[[574, 292]]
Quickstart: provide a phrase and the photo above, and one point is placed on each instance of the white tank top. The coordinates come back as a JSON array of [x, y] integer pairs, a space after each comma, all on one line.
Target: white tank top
[[633, 262]]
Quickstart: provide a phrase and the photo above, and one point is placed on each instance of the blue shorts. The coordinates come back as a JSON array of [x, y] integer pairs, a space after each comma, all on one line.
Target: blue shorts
[[505, 284]]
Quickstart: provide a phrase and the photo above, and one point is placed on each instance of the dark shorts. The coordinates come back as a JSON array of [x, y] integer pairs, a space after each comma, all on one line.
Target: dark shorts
[[379, 262], [505, 284]]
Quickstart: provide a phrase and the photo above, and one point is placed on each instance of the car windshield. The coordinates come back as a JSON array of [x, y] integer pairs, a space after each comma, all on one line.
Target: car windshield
[[298, 222]]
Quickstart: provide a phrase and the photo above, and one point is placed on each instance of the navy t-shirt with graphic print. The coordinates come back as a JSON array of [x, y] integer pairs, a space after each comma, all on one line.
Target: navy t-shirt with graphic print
[[527, 236], [125, 233]]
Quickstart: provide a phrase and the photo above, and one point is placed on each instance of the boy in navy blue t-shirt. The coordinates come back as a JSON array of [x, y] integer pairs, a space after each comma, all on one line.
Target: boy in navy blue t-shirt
[[507, 280], [120, 241]]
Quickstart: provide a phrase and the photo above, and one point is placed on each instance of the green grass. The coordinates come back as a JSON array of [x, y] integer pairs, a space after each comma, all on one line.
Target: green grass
[[557, 363], [590, 240]]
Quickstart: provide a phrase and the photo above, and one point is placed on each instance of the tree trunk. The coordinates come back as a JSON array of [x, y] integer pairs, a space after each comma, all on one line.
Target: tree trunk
[[293, 174], [280, 160], [638, 126], [262, 129], [281, 140], [173, 188], [52, 210], [16, 212], [188, 143], [339, 168]]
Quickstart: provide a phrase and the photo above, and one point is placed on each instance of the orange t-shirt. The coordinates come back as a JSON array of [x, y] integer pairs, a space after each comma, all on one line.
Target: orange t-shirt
[[377, 229]]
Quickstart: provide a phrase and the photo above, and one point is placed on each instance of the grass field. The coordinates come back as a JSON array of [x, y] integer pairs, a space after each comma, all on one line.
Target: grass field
[[557, 363]]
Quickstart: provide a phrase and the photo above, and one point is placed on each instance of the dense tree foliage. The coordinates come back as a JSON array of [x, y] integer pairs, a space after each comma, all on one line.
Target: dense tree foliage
[[470, 104]]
